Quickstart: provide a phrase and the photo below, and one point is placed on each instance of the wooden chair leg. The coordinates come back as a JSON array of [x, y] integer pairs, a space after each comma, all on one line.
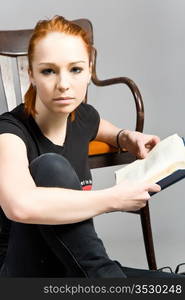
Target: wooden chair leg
[[148, 238]]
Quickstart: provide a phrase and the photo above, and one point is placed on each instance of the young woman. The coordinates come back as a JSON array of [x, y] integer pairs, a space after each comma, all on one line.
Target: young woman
[[44, 166]]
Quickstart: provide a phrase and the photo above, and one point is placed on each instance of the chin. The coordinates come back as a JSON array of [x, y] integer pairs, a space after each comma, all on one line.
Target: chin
[[65, 110]]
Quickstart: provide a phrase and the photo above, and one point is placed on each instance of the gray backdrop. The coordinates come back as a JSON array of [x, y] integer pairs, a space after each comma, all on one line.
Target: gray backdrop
[[144, 40]]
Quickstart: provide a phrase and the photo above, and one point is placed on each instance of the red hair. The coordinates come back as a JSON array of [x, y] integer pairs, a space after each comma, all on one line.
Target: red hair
[[42, 28]]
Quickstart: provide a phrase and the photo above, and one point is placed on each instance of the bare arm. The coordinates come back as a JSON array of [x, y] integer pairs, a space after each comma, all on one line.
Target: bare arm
[[22, 201], [135, 142], [107, 132]]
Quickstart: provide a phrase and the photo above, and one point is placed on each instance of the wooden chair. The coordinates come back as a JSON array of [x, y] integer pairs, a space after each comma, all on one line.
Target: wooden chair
[[14, 82]]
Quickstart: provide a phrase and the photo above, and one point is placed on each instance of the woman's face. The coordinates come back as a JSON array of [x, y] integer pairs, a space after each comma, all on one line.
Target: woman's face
[[60, 72]]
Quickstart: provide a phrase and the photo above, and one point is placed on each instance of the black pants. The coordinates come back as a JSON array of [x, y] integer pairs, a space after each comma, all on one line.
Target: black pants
[[76, 246]]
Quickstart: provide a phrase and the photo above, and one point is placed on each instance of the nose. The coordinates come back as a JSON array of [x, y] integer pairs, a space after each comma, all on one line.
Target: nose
[[63, 81]]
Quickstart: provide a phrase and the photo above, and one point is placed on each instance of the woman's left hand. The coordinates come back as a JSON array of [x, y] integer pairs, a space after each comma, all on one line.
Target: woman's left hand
[[137, 143]]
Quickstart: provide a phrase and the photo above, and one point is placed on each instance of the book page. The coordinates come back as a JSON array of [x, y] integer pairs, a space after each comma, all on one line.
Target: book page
[[164, 159]]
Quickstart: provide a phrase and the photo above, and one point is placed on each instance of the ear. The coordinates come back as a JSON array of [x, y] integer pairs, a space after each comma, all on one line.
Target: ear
[[30, 74]]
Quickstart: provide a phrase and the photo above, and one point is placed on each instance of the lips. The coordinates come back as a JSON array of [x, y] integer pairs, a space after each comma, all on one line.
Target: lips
[[63, 98]]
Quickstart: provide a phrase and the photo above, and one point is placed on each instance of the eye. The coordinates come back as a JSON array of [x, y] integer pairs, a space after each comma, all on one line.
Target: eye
[[76, 70], [48, 71]]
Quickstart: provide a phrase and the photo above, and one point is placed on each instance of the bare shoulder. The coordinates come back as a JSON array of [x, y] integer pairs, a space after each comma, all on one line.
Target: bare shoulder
[[10, 144], [13, 156]]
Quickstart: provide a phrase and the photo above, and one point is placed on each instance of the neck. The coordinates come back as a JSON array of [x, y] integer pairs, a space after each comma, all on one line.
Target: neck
[[53, 125]]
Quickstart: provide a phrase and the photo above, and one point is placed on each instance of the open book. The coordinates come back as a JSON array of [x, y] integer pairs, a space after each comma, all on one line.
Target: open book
[[164, 164]]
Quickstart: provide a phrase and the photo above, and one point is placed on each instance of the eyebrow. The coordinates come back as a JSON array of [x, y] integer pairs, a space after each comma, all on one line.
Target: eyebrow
[[53, 64]]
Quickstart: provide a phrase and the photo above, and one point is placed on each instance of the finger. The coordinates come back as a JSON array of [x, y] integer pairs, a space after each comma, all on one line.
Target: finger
[[141, 204], [142, 151], [156, 139], [152, 142], [146, 196], [143, 196], [154, 188]]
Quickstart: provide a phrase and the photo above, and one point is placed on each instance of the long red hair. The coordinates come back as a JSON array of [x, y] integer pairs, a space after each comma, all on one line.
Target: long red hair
[[42, 28]]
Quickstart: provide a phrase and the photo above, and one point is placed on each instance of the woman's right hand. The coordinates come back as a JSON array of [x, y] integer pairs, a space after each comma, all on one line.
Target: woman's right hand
[[129, 196]]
